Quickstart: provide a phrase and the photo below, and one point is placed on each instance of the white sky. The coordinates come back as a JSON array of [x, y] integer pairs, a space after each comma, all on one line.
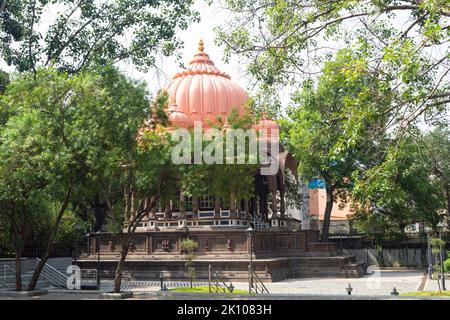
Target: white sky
[[211, 16]]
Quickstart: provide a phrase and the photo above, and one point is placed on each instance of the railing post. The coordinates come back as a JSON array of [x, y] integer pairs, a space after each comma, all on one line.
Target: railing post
[[250, 282], [217, 281], [209, 278]]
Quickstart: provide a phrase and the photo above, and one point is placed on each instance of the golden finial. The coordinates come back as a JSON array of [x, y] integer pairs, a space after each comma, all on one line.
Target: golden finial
[[200, 46], [226, 126]]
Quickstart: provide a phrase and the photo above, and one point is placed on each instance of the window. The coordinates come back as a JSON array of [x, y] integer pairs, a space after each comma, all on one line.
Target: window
[[206, 202], [188, 203]]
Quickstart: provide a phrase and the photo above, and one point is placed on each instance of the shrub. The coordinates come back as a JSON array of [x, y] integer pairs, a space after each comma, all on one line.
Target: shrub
[[447, 265]]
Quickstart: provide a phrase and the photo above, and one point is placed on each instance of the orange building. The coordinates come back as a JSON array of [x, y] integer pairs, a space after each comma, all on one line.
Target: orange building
[[340, 215]]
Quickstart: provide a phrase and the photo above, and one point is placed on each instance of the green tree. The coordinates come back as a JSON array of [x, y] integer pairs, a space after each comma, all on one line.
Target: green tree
[[34, 175], [77, 134], [87, 33], [435, 152], [188, 246], [285, 42], [4, 80], [229, 182], [398, 191], [321, 118]]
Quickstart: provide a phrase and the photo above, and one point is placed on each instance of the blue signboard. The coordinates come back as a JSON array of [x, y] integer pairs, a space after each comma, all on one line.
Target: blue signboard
[[316, 184]]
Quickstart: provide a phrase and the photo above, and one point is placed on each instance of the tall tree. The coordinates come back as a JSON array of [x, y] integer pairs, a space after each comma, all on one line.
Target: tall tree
[[33, 166], [401, 189], [82, 33], [436, 151], [70, 135], [321, 130], [285, 42]]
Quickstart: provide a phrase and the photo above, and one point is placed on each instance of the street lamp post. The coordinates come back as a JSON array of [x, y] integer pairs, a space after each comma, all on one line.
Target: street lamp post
[[250, 266], [441, 255], [429, 258], [98, 258], [78, 228], [161, 279]]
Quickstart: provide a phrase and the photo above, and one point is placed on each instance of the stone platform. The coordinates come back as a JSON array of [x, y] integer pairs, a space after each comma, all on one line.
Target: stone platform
[[277, 255]]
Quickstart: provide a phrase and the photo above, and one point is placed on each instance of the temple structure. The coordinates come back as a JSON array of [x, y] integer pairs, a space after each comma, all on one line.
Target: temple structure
[[227, 232]]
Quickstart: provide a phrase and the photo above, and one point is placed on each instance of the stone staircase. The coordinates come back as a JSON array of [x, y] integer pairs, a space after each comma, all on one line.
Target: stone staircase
[[331, 266], [272, 269], [50, 277]]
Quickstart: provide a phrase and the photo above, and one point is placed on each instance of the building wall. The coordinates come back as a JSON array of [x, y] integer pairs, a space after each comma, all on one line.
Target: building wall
[[312, 210], [340, 214]]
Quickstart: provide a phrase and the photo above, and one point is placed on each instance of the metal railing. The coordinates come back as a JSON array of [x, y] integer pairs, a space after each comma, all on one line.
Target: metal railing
[[54, 276], [49, 274], [256, 285], [217, 283], [89, 279], [9, 277]]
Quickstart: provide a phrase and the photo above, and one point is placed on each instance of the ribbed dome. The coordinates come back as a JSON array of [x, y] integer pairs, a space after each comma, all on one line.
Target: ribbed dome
[[202, 91], [266, 124], [178, 118]]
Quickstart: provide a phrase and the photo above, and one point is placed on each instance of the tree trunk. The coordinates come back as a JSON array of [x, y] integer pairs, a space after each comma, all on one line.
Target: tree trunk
[[126, 238], [18, 246], [123, 255], [18, 270], [447, 193], [41, 264], [126, 241], [327, 215], [233, 213]]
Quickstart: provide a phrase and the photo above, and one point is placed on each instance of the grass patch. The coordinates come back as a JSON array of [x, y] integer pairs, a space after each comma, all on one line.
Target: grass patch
[[204, 289], [427, 294]]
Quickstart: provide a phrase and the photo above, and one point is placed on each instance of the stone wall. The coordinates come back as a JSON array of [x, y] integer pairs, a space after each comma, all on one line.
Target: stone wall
[[404, 257], [212, 244]]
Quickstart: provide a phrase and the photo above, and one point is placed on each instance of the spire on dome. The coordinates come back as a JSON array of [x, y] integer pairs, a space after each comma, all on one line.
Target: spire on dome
[[226, 126], [201, 47]]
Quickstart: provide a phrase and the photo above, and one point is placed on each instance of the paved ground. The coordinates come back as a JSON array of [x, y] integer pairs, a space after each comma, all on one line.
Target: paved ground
[[380, 283], [432, 285]]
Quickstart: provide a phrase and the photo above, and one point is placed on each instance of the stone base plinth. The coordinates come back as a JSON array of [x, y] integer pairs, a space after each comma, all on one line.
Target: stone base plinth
[[277, 255]]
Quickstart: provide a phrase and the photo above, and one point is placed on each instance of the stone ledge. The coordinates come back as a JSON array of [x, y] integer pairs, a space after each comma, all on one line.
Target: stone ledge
[[11, 293], [118, 296]]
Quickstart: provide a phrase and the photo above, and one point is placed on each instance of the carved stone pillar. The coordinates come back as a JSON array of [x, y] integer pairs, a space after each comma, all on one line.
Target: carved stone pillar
[[195, 206], [282, 204], [182, 202], [216, 207], [272, 180], [167, 211], [247, 209]]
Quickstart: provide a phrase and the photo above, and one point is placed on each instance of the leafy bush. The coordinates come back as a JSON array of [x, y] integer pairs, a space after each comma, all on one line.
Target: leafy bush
[[447, 265]]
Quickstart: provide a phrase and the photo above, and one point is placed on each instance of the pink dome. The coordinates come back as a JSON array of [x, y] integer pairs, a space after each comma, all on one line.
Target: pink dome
[[178, 118], [266, 124], [202, 91]]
